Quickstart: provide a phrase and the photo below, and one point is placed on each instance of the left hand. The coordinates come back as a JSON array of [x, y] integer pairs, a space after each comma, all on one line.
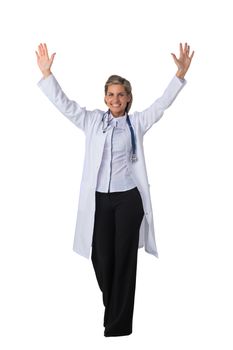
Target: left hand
[[184, 61], [43, 60]]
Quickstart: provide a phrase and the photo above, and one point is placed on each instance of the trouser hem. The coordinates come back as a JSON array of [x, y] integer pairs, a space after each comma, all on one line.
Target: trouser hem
[[120, 334]]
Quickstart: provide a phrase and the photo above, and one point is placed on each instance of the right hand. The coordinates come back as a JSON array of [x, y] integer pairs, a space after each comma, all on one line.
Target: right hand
[[43, 60]]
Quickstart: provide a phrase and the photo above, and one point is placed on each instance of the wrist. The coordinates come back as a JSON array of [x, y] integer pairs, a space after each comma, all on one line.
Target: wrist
[[180, 74], [46, 73]]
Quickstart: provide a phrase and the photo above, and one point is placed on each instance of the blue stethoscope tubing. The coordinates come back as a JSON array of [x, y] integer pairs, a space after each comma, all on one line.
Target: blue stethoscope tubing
[[105, 121]]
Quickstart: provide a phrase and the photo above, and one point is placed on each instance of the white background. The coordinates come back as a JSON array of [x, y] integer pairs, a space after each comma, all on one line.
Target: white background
[[49, 298]]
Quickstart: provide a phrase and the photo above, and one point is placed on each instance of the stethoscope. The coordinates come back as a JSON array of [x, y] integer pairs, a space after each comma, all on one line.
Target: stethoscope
[[106, 122]]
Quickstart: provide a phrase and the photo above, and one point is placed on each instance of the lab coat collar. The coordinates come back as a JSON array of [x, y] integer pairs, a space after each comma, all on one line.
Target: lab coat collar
[[119, 122]]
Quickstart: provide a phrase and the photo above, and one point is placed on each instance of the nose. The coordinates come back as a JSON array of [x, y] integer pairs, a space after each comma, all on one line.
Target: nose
[[115, 98]]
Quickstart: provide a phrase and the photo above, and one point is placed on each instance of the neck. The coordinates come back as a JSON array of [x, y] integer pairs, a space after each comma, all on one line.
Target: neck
[[117, 116]]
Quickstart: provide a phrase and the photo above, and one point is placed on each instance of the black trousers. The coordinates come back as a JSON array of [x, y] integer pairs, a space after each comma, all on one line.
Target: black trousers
[[114, 256]]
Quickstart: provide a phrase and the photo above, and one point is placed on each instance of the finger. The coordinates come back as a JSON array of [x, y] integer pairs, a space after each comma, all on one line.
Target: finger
[[40, 50], [52, 57], [181, 49], [174, 57], [45, 49], [186, 48], [191, 57], [37, 55]]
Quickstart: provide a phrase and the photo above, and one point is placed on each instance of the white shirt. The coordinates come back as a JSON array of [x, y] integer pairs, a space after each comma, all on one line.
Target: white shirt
[[114, 175]]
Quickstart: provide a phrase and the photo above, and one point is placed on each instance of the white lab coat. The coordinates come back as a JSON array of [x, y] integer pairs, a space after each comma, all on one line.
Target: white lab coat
[[91, 123]]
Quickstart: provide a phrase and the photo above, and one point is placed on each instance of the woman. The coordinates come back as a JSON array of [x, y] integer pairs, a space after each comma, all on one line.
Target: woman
[[115, 213]]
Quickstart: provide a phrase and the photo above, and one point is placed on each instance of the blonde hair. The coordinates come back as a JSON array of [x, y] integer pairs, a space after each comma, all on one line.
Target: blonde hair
[[117, 79]]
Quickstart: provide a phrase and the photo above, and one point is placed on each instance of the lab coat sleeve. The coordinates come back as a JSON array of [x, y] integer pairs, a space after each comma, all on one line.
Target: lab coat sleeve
[[152, 114], [71, 109]]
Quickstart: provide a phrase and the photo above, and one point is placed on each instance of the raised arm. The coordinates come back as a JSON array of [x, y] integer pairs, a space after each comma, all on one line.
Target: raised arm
[[152, 114], [44, 61], [51, 88]]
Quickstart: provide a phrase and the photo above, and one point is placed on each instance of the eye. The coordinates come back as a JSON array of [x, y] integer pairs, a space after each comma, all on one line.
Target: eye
[[110, 94]]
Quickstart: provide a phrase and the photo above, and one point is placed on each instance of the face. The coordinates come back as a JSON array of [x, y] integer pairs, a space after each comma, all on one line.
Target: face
[[116, 99]]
